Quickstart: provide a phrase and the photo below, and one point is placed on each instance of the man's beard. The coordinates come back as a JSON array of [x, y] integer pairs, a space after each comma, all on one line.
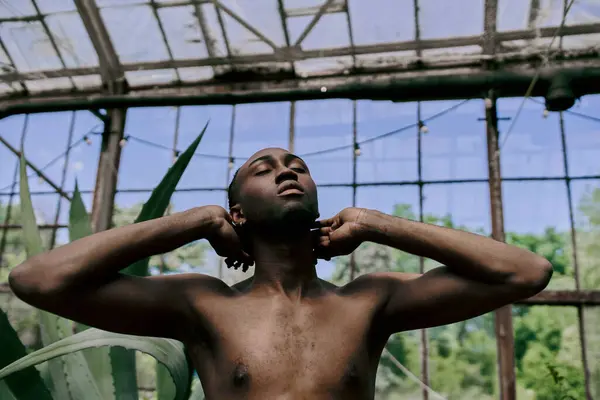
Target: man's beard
[[285, 223]]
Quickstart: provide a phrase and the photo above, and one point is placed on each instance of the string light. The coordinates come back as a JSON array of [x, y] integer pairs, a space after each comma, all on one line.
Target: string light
[[87, 140], [488, 103], [123, 141], [357, 149], [175, 156], [231, 163], [323, 89], [40, 179], [422, 127], [546, 113]]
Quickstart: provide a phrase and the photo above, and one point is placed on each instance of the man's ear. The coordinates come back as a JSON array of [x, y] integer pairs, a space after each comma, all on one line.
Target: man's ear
[[237, 215]]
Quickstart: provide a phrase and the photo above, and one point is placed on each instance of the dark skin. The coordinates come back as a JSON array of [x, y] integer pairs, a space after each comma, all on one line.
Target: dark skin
[[283, 333]]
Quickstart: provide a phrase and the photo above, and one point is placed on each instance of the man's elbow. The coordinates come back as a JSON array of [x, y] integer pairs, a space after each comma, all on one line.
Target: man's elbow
[[535, 277], [29, 281]]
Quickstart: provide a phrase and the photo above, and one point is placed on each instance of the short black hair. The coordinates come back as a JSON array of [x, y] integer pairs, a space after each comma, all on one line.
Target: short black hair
[[232, 190]]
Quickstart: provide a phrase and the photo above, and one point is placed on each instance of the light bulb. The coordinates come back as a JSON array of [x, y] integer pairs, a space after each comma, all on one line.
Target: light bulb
[[122, 142], [357, 151], [546, 113], [424, 129], [488, 103], [88, 140], [323, 89], [40, 180]]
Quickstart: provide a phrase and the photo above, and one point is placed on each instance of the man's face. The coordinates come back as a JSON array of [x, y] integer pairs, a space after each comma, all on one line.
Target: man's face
[[275, 188]]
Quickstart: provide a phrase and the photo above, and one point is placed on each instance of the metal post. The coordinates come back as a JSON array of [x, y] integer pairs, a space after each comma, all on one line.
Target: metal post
[[108, 169], [424, 341], [355, 153], [503, 316]]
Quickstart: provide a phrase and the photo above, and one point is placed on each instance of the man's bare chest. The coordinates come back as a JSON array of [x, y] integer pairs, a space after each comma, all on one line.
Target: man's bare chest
[[325, 343]]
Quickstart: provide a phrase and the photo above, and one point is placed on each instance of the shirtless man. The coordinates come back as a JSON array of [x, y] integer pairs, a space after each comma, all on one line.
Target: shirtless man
[[284, 333]]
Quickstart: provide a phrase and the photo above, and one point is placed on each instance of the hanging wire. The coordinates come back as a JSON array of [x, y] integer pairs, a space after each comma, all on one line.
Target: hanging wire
[[536, 77]]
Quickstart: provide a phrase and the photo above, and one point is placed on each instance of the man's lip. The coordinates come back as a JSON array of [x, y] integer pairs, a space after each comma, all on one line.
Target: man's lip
[[291, 187], [290, 191]]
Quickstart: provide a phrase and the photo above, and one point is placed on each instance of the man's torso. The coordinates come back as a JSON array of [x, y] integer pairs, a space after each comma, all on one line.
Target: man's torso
[[268, 347]]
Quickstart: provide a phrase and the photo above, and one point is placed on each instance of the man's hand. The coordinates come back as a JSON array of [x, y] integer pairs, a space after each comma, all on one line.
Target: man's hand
[[224, 238], [341, 234]]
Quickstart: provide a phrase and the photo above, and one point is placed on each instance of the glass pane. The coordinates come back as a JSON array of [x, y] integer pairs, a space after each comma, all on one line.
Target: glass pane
[[392, 158], [330, 31], [456, 22], [591, 319], [331, 201], [536, 217], [382, 21], [182, 31], [29, 46], [135, 33], [533, 148], [548, 353], [583, 144], [72, 39], [209, 168], [148, 154], [586, 210], [454, 146], [322, 127]]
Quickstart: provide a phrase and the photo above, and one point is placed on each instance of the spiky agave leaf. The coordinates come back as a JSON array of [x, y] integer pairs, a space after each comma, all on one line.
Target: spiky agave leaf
[[98, 359], [168, 352], [71, 377], [122, 360]]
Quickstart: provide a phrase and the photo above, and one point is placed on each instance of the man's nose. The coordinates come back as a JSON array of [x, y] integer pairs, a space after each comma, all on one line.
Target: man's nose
[[285, 173]]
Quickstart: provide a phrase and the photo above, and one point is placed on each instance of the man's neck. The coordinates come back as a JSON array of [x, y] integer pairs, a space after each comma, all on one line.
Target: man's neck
[[285, 264]]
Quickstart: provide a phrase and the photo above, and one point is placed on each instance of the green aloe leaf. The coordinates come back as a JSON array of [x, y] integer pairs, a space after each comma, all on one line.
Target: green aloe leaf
[[123, 361], [166, 351], [27, 384], [98, 360], [160, 198], [197, 391], [71, 377]]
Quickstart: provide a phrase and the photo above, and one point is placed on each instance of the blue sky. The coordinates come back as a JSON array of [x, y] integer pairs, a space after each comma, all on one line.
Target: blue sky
[[453, 149]]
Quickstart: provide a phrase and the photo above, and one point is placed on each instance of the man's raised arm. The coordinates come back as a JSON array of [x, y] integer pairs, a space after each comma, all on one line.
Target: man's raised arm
[[479, 274], [81, 280]]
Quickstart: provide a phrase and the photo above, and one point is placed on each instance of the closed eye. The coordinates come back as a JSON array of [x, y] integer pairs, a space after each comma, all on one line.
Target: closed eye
[[299, 169], [262, 172]]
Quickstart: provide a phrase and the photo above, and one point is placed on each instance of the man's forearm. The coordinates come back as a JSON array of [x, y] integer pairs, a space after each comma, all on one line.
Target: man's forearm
[[475, 256], [99, 256]]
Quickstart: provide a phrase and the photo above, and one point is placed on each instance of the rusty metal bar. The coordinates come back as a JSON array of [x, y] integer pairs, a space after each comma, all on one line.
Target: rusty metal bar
[[408, 86], [534, 10], [209, 41], [292, 134], [35, 169], [564, 298], [13, 193], [41, 226], [355, 154], [580, 311], [110, 69], [334, 7], [63, 178], [503, 317], [12, 64], [176, 134], [489, 23], [423, 333], [350, 32], [316, 17], [230, 166], [419, 53], [108, 169]]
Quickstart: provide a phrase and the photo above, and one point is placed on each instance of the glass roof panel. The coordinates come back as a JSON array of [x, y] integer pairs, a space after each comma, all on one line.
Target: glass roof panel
[[144, 78], [72, 40], [110, 3], [241, 40], [42, 85], [330, 31], [195, 74], [83, 82], [214, 30], [54, 6], [583, 12], [379, 21], [29, 46], [444, 19], [183, 32], [134, 33], [262, 15], [16, 8]]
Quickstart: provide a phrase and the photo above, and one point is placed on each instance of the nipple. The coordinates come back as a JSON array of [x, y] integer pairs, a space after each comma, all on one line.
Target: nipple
[[240, 375]]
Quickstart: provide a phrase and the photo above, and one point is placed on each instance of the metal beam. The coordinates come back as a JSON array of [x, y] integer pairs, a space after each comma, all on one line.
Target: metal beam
[[313, 22], [333, 8], [503, 315], [245, 24], [489, 24], [286, 55], [443, 84], [110, 68]]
